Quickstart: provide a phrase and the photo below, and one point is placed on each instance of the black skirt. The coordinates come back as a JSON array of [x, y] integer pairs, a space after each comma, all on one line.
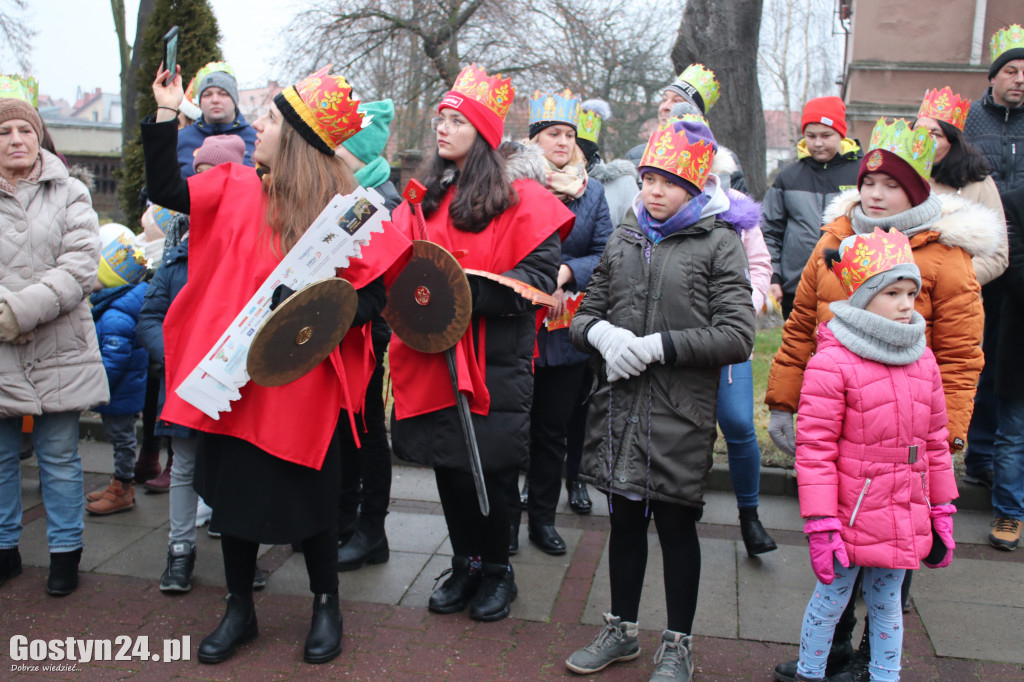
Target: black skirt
[[258, 497]]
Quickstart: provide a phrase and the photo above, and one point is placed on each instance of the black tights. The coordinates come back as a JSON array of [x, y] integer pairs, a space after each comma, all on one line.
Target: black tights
[[471, 532], [319, 551], [627, 559]]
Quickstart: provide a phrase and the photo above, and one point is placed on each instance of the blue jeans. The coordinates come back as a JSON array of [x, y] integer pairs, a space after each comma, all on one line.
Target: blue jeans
[[120, 429], [981, 435], [882, 594], [1008, 463], [736, 418], [55, 438]]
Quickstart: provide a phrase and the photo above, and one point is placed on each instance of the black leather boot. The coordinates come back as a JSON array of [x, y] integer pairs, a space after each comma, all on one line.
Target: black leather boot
[[63, 578], [369, 545], [323, 643], [579, 498], [455, 593], [237, 627], [10, 564], [497, 592], [755, 537]]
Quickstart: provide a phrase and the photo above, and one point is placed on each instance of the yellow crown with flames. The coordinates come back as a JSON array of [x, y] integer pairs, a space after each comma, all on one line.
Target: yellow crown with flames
[[1007, 38], [870, 254], [674, 151], [494, 92], [325, 105], [944, 105]]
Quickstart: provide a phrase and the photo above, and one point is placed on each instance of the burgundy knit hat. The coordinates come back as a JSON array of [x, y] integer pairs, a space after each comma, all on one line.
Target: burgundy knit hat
[[218, 149], [884, 161], [12, 108], [829, 111]]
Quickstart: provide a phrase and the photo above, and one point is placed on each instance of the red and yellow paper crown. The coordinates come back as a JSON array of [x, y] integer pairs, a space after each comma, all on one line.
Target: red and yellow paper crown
[[870, 254], [494, 92], [324, 104], [943, 105], [672, 151]]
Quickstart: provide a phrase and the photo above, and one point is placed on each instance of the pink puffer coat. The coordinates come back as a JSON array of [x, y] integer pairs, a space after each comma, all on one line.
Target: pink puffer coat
[[858, 427]]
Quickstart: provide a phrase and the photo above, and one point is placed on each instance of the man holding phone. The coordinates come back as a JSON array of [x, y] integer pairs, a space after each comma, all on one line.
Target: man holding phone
[[218, 99]]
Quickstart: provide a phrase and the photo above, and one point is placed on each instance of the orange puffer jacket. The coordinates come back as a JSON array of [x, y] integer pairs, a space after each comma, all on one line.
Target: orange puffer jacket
[[949, 301]]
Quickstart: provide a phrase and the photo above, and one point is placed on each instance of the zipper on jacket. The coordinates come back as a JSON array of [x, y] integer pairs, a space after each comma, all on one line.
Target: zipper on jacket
[[924, 489], [863, 492]]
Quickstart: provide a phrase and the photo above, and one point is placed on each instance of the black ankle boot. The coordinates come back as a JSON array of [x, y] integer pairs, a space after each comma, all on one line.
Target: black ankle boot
[[63, 578], [10, 564], [455, 593], [755, 537], [237, 627], [496, 594], [323, 643], [369, 545]]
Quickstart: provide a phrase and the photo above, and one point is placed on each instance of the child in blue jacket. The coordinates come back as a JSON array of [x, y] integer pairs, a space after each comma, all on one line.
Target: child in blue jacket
[[116, 303]]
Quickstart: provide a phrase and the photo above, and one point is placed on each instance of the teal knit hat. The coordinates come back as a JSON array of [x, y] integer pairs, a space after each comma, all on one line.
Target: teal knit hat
[[369, 143]]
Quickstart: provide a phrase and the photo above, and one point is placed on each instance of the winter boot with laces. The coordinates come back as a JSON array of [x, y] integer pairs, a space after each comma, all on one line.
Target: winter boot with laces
[[462, 584], [617, 641], [674, 658], [497, 592], [181, 560]]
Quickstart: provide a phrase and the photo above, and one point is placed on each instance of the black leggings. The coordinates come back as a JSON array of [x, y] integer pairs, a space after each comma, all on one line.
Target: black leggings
[[319, 551], [471, 532], [627, 558]]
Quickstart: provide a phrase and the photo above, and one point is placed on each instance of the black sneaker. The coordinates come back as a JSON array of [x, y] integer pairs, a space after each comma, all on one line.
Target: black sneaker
[[181, 561], [259, 579]]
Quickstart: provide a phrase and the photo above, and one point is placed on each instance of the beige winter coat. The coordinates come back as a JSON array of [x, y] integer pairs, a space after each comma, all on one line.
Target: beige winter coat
[[49, 255], [987, 268]]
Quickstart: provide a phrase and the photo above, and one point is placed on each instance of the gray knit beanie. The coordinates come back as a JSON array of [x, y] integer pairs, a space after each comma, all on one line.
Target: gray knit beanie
[[224, 81]]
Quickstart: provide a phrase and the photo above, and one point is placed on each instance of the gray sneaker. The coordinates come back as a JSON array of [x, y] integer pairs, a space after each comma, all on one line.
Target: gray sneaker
[[674, 658], [617, 641]]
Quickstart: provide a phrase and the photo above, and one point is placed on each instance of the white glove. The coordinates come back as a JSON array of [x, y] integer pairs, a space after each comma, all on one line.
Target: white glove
[[9, 329], [623, 357], [654, 344], [780, 428]]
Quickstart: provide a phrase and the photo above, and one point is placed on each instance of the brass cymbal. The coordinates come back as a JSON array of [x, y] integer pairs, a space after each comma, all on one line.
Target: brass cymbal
[[429, 304], [301, 332]]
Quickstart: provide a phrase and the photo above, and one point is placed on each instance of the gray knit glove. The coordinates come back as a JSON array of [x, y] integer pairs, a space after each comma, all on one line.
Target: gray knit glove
[[780, 428]]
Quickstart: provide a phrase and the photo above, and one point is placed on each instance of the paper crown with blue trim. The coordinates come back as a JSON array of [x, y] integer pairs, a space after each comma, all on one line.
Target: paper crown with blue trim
[[553, 108]]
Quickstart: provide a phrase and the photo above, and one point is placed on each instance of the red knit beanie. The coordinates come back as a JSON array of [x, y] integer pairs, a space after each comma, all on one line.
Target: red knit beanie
[[884, 161], [218, 149], [830, 111]]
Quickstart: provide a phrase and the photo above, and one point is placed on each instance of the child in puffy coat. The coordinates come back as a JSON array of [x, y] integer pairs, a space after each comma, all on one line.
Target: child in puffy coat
[[115, 310], [873, 466]]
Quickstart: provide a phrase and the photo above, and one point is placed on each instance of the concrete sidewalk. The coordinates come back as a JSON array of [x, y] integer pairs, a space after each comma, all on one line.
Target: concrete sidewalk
[[965, 624]]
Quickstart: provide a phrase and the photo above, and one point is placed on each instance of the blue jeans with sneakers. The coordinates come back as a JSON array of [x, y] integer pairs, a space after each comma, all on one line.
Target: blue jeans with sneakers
[[882, 595], [55, 439], [1008, 462]]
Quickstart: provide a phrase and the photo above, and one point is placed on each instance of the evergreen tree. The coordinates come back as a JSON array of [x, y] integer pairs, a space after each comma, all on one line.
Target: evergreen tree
[[198, 44]]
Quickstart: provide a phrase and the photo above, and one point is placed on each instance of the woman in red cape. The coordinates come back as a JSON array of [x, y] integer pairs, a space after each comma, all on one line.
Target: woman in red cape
[[270, 466], [487, 208]]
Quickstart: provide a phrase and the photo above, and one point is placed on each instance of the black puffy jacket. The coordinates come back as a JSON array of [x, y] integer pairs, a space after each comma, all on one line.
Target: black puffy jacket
[[998, 133]]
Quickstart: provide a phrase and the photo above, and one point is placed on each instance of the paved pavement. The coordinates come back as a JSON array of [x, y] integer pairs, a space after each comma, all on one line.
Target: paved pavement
[[965, 624]]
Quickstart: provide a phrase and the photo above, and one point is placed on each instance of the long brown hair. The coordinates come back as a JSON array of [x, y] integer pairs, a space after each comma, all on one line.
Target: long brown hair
[[484, 190], [301, 183]]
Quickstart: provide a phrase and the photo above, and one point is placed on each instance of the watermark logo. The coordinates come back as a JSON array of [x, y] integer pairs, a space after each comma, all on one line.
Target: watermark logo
[[64, 655]]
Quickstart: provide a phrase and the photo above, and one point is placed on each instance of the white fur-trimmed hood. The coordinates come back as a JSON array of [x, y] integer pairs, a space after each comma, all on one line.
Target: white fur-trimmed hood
[[523, 161], [962, 223]]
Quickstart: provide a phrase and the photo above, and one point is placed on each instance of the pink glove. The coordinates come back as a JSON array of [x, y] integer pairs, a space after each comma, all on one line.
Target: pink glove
[[942, 535], [825, 544]]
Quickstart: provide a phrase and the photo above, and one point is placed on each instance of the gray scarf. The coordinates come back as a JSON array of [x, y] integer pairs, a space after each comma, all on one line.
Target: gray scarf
[[873, 337], [912, 221]]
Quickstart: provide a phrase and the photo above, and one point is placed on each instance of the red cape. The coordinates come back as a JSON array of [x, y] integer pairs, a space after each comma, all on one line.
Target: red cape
[[230, 256], [420, 381]]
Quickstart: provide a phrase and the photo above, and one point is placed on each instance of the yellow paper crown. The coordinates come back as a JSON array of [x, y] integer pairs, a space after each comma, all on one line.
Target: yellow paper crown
[[324, 103], [869, 254], [916, 147], [494, 92], [1007, 38], [700, 80], [588, 126], [943, 105], [20, 87], [672, 151]]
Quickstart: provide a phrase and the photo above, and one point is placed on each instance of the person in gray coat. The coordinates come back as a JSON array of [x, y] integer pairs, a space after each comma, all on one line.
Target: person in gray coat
[[667, 307], [50, 365]]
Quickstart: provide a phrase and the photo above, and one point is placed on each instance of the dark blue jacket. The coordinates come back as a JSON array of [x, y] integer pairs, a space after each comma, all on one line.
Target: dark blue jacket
[[116, 312], [581, 252], [167, 282], [191, 138], [998, 133]]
